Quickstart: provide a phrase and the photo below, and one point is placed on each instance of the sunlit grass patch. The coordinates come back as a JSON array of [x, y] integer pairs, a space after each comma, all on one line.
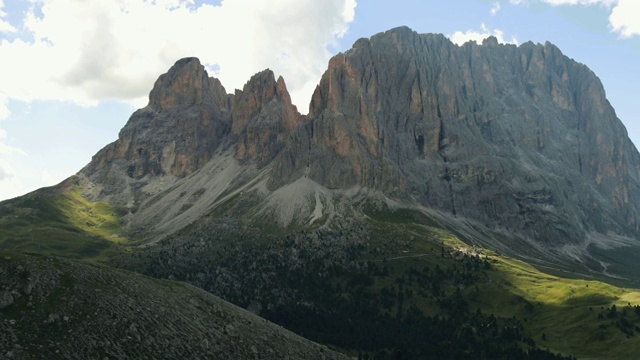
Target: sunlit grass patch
[[567, 315], [62, 223]]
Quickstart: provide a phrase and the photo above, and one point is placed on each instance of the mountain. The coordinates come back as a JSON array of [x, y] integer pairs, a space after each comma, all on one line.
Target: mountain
[[494, 133], [491, 139], [393, 218]]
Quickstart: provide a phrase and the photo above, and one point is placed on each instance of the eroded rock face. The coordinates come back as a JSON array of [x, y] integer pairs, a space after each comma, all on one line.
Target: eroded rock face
[[187, 116], [263, 117], [518, 137]]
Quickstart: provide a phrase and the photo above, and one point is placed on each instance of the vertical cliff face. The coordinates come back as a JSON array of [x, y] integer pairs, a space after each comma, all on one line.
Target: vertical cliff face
[[515, 136], [263, 117], [177, 132], [189, 117]]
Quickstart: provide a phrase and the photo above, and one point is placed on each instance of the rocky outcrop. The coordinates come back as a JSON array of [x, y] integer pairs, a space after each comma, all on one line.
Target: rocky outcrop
[[186, 119], [187, 116], [519, 137], [263, 118]]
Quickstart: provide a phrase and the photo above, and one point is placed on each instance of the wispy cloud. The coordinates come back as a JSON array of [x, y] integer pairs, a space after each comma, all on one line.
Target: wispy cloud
[[4, 106], [10, 185], [6, 151], [581, 2], [623, 14], [9, 150], [6, 172], [495, 8], [460, 37]]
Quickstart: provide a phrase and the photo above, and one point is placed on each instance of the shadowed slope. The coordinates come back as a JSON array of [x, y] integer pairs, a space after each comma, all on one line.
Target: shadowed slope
[[55, 308]]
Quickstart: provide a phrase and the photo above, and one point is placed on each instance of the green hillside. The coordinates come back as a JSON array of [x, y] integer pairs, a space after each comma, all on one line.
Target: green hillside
[[60, 221]]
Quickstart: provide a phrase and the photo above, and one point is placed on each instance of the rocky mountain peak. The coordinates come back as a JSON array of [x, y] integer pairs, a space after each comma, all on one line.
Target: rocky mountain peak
[[256, 95], [185, 84], [263, 116], [188, 115], [490, 41]]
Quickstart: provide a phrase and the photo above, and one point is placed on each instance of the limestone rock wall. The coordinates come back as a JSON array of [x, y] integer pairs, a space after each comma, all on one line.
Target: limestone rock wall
[[520, 137], [516, 137]]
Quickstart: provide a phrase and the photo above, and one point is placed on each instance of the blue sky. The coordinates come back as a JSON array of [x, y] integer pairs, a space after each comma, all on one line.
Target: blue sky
[[72, 72]]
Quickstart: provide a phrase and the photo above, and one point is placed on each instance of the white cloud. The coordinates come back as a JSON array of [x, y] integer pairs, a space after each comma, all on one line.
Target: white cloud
[[580, 2], [460, 37], [10, 186], [10, 150], [495, 8], [624, 18], [5, 26], [6, 171], [87, 51], [7, 151], [4, 106]]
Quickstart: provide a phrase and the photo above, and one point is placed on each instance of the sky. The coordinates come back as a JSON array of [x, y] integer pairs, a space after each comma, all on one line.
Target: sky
[[73, 71]]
